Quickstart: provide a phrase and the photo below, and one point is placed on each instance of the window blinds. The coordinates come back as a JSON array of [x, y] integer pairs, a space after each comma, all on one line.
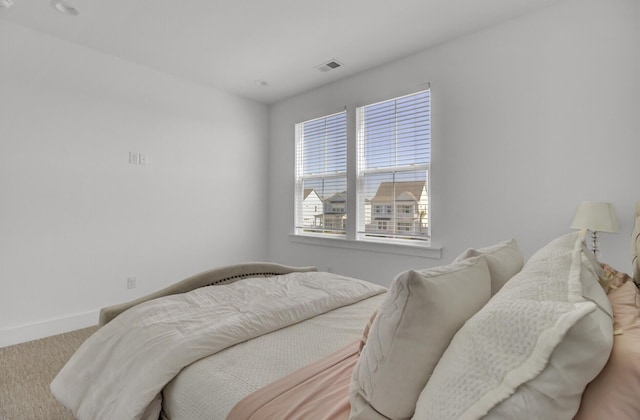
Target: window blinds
[[394, 154], [321, 175]]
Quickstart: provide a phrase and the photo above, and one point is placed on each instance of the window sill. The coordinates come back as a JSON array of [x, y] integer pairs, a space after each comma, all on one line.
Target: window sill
[[385, 247]]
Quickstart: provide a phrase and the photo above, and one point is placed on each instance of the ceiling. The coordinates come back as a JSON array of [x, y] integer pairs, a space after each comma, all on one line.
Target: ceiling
[[265, 50]]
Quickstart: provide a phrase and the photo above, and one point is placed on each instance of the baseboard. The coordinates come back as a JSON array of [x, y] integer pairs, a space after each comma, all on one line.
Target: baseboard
[[17, 335]]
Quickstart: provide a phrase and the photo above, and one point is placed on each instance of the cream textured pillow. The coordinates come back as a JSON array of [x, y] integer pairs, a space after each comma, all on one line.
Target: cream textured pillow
[[532, 349], [559, 246], [504, 260], [415, 323]]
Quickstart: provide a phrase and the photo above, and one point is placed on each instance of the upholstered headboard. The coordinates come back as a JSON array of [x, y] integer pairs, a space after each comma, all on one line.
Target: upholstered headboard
[[216, 276], [635, 244]]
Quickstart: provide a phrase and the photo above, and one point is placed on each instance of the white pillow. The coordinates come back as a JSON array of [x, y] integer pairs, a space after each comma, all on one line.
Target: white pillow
[[420, 314], [561, 245], [532, 349], [504, 260]]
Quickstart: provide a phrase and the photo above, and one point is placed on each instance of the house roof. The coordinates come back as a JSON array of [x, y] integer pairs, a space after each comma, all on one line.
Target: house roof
[[387, 192], [340, 197], [308, 191]]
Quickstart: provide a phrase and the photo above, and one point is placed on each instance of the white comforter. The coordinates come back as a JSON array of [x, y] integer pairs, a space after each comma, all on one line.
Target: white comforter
[[119, 372]]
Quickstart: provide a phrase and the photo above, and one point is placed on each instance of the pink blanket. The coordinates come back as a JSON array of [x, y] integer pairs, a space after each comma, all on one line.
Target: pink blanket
[[316, 392]]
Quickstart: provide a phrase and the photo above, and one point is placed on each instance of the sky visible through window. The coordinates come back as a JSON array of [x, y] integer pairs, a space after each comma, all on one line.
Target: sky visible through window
[[325, 145], [398, 130], [397, 134], [325, 153]]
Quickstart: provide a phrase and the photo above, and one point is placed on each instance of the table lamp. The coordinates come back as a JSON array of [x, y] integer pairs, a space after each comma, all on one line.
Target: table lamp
[[597, 217]]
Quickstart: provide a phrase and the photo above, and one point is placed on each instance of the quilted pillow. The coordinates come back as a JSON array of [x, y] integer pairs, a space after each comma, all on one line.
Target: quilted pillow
[[504, 260], [532, 349], [613, 394], [559, 246], [416, 321]]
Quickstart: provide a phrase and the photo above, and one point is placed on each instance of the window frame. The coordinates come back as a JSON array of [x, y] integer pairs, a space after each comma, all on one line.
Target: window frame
[[351, 239], [321, 228], [363, 171]]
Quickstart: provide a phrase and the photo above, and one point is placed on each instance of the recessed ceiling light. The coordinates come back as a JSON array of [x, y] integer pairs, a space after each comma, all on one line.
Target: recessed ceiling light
[[64, 8], [6, 3]]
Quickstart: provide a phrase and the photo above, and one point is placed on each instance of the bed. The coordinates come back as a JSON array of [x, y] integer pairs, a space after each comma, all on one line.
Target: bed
[[488, 335]]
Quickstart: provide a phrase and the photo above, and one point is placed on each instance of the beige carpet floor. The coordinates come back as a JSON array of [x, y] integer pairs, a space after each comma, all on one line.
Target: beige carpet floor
[[27, 369]]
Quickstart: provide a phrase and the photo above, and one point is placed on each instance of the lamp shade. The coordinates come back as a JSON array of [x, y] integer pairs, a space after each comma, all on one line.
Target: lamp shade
[[595, 216]]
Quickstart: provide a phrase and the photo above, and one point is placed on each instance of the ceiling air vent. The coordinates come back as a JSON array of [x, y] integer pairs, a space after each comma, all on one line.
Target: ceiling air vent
[[330, 65]]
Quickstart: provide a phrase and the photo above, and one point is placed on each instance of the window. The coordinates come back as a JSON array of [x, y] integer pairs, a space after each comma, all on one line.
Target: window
[[403, 226], [394, 154], [321, 175], [389, 166], [404, 209]]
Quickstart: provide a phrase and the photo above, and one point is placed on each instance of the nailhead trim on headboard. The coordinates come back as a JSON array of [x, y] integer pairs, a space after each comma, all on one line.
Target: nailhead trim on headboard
[[240, 276]]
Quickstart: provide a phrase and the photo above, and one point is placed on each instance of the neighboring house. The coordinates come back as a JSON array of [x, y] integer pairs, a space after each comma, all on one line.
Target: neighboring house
[[312, 206], [335, 212], [399, 209]]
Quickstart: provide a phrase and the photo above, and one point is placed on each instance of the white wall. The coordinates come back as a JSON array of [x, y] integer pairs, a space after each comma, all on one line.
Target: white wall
[[529, 118], [76, 218]]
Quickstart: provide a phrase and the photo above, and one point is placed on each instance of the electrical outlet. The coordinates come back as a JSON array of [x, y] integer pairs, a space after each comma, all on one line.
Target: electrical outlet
[[143, 159], [131, 282]]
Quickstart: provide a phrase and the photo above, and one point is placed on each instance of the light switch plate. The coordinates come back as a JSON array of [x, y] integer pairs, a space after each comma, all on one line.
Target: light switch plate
[[133, 158]]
